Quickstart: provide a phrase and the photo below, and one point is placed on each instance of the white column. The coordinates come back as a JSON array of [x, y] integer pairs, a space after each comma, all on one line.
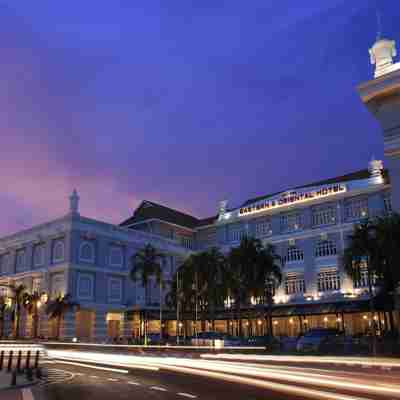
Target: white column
[[126, 326], [99, 328], [68, 326]]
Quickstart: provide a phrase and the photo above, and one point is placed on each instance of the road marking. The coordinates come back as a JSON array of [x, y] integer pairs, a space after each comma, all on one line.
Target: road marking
[[134, 383], [386, 368], [112, 380], [158, 388], [93, 376], [190, 396], [27, 394], [122, 371]]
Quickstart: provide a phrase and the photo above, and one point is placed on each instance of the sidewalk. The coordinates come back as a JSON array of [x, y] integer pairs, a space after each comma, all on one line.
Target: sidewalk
[[19, 392]]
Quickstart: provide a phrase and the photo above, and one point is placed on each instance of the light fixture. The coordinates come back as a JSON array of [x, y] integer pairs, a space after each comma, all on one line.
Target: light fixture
[[44, 297], [38, 304], [291, 321], [180, 324], [259, 322], [365, 317], [275, 322], [325, 319], [338, 319], [375, 318], [305, 321]]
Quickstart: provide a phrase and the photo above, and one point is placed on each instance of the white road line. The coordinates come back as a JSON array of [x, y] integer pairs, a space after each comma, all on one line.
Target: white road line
[[112, 380], [27, 394], [158, 388], [122, 371], [134, 383], [190, 396], [93, 376]]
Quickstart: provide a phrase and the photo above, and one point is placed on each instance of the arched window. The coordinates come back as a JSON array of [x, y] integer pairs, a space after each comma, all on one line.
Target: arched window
[[325, 248], [38, 255], [294, 254], [58, 251], [116, 256], [86, 252]]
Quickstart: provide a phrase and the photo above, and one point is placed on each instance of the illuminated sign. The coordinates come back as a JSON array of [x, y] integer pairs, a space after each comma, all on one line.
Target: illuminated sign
[[290, 198]]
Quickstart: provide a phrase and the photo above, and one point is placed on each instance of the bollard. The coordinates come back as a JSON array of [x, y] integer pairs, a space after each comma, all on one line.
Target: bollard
[[29, 374], [10, 358], [28, 360], [37, 359], [19, 361], [14, 378], [39, 373], [1, 360]]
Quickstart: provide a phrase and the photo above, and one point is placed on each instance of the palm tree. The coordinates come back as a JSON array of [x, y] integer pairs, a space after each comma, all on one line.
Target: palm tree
[[202, 285], [146, 264], [388, 244], [3, 309], [242, 276], [363, 252], [57, 308], [17, 299], [254, 272], [268, 278], [31, 303]]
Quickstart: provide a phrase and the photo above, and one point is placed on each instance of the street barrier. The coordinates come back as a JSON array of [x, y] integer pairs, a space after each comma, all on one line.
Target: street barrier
[[20, 361]]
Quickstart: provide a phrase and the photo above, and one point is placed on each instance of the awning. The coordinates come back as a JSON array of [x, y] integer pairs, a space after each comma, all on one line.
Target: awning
[[321, 308]]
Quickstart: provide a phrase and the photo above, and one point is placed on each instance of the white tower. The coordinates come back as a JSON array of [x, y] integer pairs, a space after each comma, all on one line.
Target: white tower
[[381, 96], [74, 203]]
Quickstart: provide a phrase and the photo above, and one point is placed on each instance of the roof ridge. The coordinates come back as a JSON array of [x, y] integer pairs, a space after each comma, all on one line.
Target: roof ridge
[[168, 208]]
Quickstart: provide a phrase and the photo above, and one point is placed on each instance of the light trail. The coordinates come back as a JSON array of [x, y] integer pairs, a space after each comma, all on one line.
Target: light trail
[[250, 373], [370, 362]]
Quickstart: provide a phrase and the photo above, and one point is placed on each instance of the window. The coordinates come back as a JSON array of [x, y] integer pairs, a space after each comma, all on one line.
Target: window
[[291, 222], [85, 286], [116, 256], [294, 254], [236, 233], [86, 252], [356, 208], [115, 289], [387, 202], [20, 260], [294, 283], [325, 248], [58, 251], [362, 282], [263, 227], [38, 255], [324, 215], [187, 242], [328, 280], [4, 263]]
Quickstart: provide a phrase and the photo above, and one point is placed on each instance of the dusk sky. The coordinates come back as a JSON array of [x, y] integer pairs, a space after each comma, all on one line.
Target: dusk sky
[[180, 102]]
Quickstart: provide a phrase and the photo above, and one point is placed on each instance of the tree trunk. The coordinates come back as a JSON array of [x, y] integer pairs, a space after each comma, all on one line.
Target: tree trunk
[[59, 327], [17, 321], [372, 310]]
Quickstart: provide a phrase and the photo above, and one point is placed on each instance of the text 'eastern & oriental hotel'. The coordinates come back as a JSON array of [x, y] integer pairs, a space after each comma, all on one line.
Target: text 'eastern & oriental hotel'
[[308, 225]]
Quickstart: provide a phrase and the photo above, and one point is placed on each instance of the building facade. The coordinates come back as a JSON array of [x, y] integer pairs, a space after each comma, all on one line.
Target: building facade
[[90, 260], [309, 227]]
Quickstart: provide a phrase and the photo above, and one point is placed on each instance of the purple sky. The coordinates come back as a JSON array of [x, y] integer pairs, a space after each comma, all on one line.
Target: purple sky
[[179, 103]]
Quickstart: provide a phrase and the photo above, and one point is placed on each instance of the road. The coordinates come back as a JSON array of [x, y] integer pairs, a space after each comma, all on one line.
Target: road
[[122, 376], [80, 383]]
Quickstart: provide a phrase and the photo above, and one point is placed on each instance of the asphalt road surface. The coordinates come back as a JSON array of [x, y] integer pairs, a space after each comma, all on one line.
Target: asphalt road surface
[[70, 382]]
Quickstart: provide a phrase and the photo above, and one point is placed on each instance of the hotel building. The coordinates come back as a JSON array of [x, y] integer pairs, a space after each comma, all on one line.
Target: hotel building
[[309, 226]]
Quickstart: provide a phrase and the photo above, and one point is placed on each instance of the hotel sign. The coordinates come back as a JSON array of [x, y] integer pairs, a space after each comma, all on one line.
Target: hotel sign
[[290, 198]]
